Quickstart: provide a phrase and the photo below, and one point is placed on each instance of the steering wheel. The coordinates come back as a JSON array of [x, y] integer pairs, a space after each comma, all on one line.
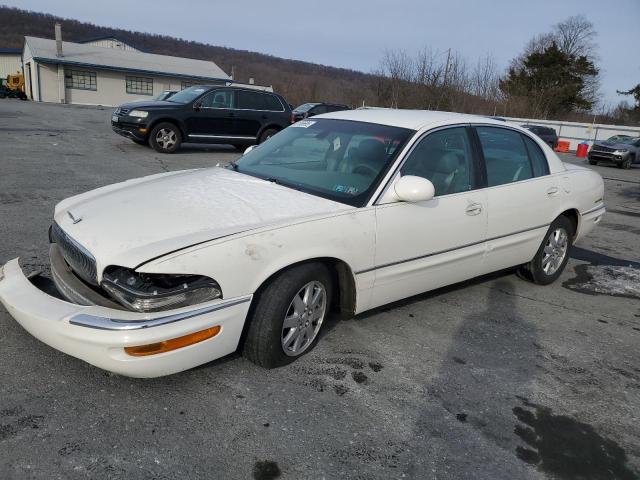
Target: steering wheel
[[364, 169]]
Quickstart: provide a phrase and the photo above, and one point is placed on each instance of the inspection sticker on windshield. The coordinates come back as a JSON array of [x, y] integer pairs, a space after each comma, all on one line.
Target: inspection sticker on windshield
[[345, 189], [303, 123]]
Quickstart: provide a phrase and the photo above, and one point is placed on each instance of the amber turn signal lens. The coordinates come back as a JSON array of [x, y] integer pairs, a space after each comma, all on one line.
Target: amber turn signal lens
[[142, 130], [172, 344]]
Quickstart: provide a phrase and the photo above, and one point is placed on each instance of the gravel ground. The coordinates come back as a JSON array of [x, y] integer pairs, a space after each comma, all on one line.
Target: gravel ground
[[494, 378]]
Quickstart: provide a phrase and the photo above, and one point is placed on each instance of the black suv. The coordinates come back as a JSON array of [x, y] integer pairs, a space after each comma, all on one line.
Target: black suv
[[204, 114], [547, 134], [310, 109]]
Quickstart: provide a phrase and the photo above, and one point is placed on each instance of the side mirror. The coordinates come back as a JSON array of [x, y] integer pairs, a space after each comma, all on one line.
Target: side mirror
[[412, 189], [197, 105], [249, 149]]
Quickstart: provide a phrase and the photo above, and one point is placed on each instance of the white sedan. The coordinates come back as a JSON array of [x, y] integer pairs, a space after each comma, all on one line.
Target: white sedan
[[344, 213]]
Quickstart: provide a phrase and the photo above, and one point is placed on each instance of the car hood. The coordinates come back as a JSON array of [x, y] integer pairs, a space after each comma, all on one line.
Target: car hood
[[617, 146], [133, 222], [149, 104]]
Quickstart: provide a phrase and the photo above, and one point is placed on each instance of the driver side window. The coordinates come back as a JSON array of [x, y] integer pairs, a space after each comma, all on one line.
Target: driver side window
[[443, 157], [218, 99]]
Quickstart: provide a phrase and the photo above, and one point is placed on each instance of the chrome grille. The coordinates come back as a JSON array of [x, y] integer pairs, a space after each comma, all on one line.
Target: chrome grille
[[121, 111], [600, 148], [78, 258]]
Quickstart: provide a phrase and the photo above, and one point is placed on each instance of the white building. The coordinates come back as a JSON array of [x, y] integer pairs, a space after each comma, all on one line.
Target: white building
[[106, 71], [10, 61]]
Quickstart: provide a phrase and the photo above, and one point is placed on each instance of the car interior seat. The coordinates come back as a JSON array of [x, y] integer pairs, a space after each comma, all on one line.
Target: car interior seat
[[369, 153]]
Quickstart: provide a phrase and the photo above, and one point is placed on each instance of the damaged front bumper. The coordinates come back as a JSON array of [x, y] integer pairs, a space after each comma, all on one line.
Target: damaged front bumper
[[98, 334]]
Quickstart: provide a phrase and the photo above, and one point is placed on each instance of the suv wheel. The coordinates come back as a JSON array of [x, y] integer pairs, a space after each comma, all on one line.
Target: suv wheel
[[165, 138], [288, 315], [626, 163], [267, 134], [553, 254], [592, 161]]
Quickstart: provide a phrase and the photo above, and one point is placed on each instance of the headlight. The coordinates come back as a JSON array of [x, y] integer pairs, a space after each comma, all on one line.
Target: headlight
[[151, 292], [621, 150], [138, 113]]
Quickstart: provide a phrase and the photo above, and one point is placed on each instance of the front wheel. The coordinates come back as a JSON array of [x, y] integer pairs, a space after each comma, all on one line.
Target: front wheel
[[267, 134], [288, 315], [165, 138], [625, 164], [553, 254], [592, 161]]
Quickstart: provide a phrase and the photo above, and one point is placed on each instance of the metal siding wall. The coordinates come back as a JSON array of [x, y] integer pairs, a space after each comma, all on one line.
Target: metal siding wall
[[10, 64], [111, 89], [576, 133]]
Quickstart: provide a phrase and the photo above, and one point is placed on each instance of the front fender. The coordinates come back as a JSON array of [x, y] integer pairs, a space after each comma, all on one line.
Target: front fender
[[242, 263]]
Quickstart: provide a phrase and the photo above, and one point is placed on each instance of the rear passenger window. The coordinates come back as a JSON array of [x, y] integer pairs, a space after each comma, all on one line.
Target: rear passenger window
[[251, 100], [273, 103], [505, 155], [444, 157], [537, 157]]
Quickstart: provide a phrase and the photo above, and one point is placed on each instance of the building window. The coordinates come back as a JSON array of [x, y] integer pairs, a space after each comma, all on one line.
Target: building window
[[80, 80], [186, 85], [139, 85]]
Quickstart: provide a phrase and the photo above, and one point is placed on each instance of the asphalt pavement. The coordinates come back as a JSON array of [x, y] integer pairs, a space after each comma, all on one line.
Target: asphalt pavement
[[494, 378]]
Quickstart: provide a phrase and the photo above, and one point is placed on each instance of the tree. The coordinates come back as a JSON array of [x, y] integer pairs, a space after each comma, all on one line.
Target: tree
[[551, 81], [633, 112]]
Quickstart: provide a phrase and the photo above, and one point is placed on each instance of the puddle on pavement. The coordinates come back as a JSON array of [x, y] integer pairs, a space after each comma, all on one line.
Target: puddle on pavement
[[266, 470], [566, 448]]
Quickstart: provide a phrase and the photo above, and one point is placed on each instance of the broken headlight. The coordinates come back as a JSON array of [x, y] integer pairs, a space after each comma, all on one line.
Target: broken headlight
[[151, 292]]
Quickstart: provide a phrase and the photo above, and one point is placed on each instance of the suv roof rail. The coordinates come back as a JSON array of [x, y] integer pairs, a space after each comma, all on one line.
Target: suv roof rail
[[264, 88]]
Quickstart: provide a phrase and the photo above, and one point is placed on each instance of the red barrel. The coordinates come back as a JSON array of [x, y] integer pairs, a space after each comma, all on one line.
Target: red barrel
[[582, 150]]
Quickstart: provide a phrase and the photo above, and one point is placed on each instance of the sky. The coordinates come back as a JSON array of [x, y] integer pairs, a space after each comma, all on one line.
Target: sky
[[355, 33]]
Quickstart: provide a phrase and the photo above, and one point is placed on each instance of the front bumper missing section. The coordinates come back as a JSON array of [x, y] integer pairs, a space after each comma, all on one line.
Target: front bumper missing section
[[98, 334]]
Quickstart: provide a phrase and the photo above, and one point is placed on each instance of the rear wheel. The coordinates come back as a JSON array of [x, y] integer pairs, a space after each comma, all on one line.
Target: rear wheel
[[553, 254], [267, 134], [165, 138], [288, 315]]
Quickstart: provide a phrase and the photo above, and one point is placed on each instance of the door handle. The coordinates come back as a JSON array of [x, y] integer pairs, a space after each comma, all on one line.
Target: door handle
[[553, 191], [474, 209]]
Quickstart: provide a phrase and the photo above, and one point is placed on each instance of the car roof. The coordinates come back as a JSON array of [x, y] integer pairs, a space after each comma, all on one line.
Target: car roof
[[412, 119]]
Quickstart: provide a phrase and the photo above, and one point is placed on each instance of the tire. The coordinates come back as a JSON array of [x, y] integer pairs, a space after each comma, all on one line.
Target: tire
[[625, 164], [546, 267], [267, 134], [165, 138], [269, 343], [593, 162]]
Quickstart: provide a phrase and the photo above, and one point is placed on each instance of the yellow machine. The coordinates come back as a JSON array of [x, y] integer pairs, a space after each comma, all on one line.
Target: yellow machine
[[13, 87]]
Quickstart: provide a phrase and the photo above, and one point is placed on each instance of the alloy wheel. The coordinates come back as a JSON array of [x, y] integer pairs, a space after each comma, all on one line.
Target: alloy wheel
[[555, 251], [304, 318], [166, 138]]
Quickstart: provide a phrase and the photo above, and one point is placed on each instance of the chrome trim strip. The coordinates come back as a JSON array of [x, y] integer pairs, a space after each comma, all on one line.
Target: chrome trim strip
[[594, 209], [105, 323], [193, 135], [391, 264]]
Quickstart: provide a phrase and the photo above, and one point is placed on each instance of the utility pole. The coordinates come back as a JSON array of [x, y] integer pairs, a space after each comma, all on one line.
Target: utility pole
[[446, 68]]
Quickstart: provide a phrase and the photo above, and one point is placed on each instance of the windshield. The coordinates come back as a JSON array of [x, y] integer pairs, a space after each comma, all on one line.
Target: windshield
[[187, 95], [619, 139], [163, 96], [336, 159], [305, 107], [629, 140]]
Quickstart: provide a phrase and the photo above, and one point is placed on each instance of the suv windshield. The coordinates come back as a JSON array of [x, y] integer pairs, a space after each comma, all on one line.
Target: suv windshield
[[305, 107], [187, 95], [340, 160]]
